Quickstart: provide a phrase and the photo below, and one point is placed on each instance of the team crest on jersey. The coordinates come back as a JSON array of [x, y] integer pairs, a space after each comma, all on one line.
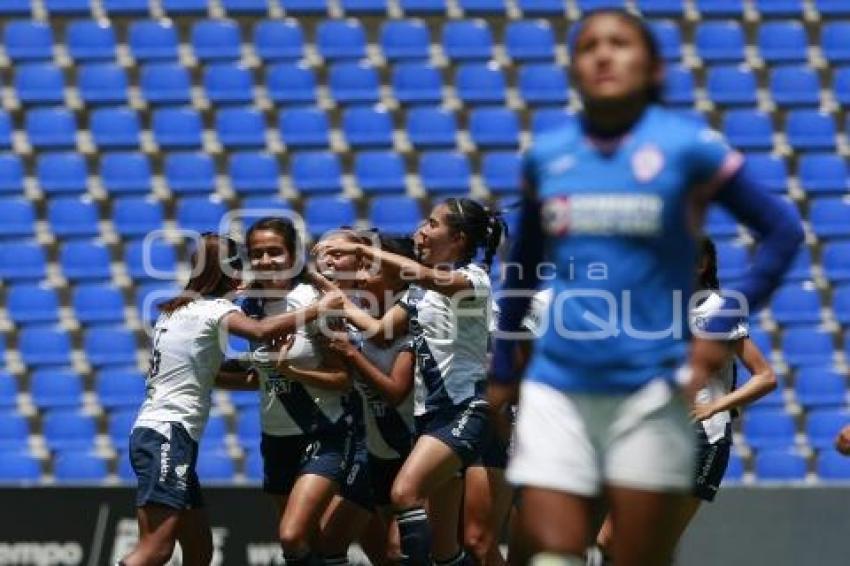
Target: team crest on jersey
[[647, 163]]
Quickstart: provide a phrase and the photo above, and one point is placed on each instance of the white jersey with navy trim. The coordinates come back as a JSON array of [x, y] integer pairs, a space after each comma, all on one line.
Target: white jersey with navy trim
[[186, 357], [289, 407], [450, 336], [720, 383]]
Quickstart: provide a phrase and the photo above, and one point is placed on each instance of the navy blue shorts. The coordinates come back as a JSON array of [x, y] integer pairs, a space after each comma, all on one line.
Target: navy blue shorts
[[382, 473], [712, 460], [464, 428], [165, 468], [327, 453], [495, 453], [357, 486]]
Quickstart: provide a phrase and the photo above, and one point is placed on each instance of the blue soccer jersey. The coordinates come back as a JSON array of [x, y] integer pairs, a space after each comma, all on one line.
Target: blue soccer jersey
[[620, 219]]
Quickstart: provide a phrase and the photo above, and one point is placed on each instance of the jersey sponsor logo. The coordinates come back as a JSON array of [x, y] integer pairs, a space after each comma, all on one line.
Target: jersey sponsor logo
[[164, 461], [612, 214], [647, 163]]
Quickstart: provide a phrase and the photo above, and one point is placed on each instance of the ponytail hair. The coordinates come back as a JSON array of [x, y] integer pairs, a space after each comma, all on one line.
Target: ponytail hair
[[707, 265], [484, 228]]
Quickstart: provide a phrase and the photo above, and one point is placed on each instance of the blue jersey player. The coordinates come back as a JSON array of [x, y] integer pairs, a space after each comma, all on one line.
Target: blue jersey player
[[614, 200]]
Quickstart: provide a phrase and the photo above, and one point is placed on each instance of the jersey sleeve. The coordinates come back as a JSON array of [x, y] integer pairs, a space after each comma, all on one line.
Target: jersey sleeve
[[711, 161], [217, 309], [478, 279], [534, 320], [301, 297]]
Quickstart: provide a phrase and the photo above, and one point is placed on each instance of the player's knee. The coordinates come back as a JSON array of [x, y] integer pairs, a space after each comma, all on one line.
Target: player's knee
[[477, 541], [159, 552], [404, 495], [293, 537]]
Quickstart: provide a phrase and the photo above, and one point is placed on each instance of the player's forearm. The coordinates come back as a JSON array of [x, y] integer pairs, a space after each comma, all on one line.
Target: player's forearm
[[237, 380], [332, 380], [392, 391], [758, 386], [285, 323]]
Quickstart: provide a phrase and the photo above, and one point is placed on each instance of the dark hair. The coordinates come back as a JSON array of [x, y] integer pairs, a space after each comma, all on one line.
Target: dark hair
[[209, 278], [482, 227], [708, 257], [399, 245], [650, 43]]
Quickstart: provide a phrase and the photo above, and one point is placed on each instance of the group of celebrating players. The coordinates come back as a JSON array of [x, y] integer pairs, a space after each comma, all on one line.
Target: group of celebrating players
[[388, 393]]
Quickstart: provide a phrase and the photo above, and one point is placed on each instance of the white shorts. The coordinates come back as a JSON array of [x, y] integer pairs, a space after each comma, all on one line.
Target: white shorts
[[579, 442]]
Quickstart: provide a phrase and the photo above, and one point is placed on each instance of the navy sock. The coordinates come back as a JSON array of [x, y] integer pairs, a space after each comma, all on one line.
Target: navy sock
[[305, 559], [415, 537], [335, 560]]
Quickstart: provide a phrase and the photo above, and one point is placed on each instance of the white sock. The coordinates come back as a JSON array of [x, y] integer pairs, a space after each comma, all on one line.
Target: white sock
[[553, 559]]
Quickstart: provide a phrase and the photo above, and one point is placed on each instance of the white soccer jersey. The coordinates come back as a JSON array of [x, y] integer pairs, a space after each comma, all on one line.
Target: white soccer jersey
[[450, 337], [721, 382], [288, 407], [537, 318], [187, 354]]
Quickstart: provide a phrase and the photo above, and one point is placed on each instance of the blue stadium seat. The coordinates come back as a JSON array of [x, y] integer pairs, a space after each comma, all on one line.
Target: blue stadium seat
[[341, 39], [836, 264], [136, 216], [541, 84], [120, 388], [771, 170], [32, 303], [16, 8], [8, 393], [67, 7], [248, 430], [669, 39], [796, 304], [832, 7], [802, 346], [823, 425], [120, 425], [228, 83], [720, 42], [445, 172], [467, 40], [529, 40], [379, 172], [90, 40], [316, 172], [364, 7], [731, 86], [763, 340], [782, 42], [679, 86], [11, 174], [794, 86], [733, 260], [654, 8], [501, 172], [79, 468], [17, 218], [550, 118], [546, 8], [22, 261], [748, 129], [187, 173], [403, 40], [494, 128], [818, 387], [366, 127], [830, 217], [394, 214], [780, 465], [423, 7], [27, 40], [810, 130], [151, 294], [16, 467], [841, 85], [14, 433], [125, 172], [62, 173], [44, 346], [252, 172], [482, 7], [6, 130], [734, 469], [216, 40], [841, 296], [68, 430], [153, 40], [769, 429], [115, 128], [109, 346], [306, 7], [39, 83], [291, 83], [177, 128], [83, 260], [591, 5], [245, 7], [832, 466], [325, 213], [354, 83], [215, 466], [801, 267], [56, 388], [835, 42], [779, 8], [429, 127], [253, 463], [165, 83], [102, 83], [304, 128], [417, 83], [125, 7], [51, 128], [771, 402], [276, 40], [96, 303], [73, 217], [823, 173], [480, 83], [240, 128], [719, 223], [201, 214]]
